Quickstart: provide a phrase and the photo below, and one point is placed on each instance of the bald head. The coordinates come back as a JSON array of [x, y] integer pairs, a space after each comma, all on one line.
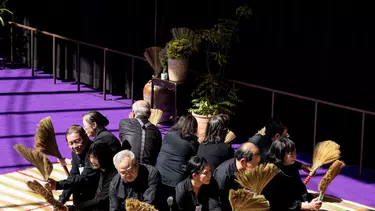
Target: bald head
[[141, 108], [247, 156]]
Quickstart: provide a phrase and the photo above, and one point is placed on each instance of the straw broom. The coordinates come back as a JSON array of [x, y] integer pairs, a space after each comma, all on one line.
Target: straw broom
[[136, 205], [324, 152], [230, 136], [155, 116], [37, 159], [243, 200], [332, 172], [48, 196], [257, 178], [45, 141]]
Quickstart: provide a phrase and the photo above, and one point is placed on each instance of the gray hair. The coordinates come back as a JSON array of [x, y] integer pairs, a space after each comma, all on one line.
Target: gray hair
[[141, 107], [120, 156]]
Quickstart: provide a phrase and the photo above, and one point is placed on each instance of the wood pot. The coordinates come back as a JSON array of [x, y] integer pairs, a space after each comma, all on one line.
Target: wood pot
[[202, 125], [178, 69], [162, 100]]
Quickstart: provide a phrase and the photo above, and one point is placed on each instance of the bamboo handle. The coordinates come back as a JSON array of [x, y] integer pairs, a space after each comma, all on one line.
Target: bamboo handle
[[321, 195], [312, 173], [63, 164]]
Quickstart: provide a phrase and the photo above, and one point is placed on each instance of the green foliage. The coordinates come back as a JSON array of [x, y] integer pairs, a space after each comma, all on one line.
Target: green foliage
[[3, 10], [213, 95], [183, 44]]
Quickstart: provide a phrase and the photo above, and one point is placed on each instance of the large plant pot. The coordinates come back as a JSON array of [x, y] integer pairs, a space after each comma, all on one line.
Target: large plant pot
[[178, 69], [202, 125], [162, 100]]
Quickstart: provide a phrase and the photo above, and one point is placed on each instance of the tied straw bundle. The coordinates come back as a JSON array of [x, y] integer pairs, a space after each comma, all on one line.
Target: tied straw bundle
[[324, 152], [45, 141], [243, 200], [257, 178], [230, 136], [152, 56], [332, 172], [39, 189], [37, 159], [155, 116], [136, 205]]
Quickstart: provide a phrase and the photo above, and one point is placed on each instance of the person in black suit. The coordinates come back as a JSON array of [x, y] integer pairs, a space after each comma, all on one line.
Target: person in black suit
[[139, 135], [94, 124], [179, 145], [199, 191], [213, 148], [83, 179]]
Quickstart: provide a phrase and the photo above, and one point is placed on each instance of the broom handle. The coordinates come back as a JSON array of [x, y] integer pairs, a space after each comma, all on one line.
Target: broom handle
[[312, 173], [321, 195], [63, 164]]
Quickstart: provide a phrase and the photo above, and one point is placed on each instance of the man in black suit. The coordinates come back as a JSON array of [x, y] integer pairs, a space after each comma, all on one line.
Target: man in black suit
[[140, 136]]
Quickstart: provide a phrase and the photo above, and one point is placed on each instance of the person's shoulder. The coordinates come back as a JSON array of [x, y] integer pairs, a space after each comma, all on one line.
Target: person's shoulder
[[116, 179], [224, 167]]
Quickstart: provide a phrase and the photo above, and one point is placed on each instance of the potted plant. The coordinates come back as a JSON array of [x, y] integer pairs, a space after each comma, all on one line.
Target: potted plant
[[214, 95], [3, 11], [175, 56]]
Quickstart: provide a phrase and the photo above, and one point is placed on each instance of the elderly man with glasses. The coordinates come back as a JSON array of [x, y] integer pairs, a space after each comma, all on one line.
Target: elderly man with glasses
[[134, 180]]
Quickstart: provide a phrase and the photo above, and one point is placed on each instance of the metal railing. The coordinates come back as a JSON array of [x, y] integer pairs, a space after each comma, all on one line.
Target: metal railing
[[133, 57], [79, 43], [316, 103]]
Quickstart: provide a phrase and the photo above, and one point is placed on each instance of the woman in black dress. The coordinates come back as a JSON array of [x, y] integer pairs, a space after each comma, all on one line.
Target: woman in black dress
[[199, 191], [286, 190]]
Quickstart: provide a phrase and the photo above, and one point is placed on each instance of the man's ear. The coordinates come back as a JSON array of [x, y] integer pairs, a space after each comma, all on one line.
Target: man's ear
[[277, 136], [94, 125]]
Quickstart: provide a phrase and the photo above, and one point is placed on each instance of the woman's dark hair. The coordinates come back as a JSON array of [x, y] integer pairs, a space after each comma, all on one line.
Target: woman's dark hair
[[279, 149], [216, 130], [195, 165], [274, 126], [187, 125], [102, 152], [97, 117], [77, 129]]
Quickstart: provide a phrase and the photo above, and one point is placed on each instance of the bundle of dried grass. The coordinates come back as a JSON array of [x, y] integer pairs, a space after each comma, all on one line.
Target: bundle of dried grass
[[257, 178], [262, 131], [186, 33], [332, 172], [45, 141], [136, 205], [244, 200], [230, 137], [155, 116], [324, 152], [39, 189], [152, 56], [37, 159]]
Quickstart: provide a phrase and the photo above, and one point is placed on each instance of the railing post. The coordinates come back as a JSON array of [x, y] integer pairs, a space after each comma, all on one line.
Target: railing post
[[315, 122], [32, 52], [362, 144], [78, 68], [54, 59], [105, 75], [12, 43], [272, 104], [132, 87]]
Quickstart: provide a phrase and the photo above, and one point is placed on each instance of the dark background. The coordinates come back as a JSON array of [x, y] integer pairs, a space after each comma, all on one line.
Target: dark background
[[321, 49]]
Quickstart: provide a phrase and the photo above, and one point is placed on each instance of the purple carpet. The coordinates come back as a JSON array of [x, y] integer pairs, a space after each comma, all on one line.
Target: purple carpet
[[24, 100]]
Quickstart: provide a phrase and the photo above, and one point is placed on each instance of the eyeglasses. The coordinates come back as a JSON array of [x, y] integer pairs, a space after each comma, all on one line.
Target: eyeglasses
[[76, 142], [132, 170]]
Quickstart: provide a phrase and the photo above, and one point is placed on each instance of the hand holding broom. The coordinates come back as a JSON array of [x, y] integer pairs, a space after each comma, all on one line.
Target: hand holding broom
[[39, 189], [332, 172], [45, 141], [324, 152]]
